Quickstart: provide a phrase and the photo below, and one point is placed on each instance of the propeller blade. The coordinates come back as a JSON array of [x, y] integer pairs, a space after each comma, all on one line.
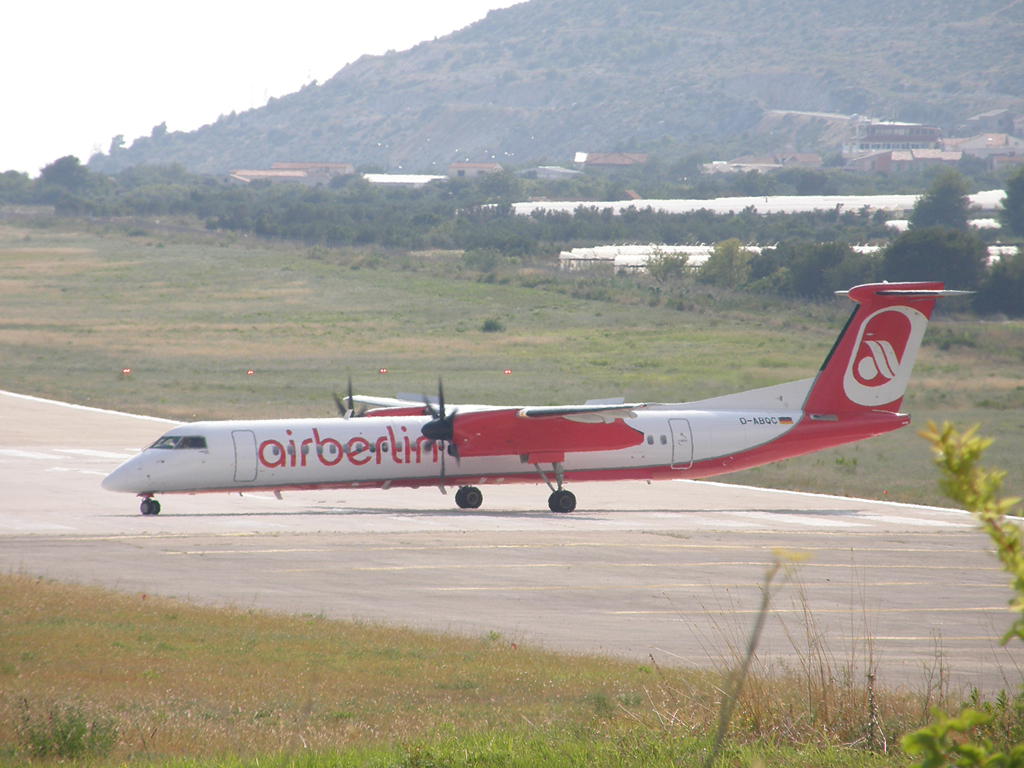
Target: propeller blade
[[441, 429], [444, 491], [351, 399], [337, 402]]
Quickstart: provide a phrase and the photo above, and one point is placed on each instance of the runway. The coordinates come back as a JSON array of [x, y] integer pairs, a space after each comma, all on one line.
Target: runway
[[670, 570]]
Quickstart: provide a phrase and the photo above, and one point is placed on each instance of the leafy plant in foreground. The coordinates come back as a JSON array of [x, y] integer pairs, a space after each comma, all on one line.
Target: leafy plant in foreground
[[946, 740], [65, 732]]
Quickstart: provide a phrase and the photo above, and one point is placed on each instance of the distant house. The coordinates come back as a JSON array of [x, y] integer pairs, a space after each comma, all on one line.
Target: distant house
[[548, 172], [307, 174], [763, 163], [402, 179], [993, 121], [897, 160], [1001, 162], [326, 169], [279, 176], [881, 135], [799, 160], [610, 159], [987, 145], [472, 170]]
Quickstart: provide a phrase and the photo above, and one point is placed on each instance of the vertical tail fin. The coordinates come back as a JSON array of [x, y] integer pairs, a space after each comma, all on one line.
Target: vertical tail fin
[[870, 364]]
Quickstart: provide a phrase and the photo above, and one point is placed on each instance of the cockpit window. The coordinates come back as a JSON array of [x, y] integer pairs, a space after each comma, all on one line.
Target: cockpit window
[[177, 442]]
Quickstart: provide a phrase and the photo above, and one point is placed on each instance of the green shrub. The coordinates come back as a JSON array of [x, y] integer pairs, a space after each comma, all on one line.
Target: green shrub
[[65, 731]]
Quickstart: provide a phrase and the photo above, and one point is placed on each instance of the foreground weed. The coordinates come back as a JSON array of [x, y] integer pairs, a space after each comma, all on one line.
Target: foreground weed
[[65, 731], [961, 740], [735, 685]]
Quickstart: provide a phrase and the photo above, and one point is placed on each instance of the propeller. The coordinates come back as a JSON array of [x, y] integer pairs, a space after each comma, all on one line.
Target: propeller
[[342, 410], [441, 429]]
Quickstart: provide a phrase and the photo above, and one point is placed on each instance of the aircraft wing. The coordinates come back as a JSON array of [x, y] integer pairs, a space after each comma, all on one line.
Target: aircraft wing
[[387, 402], [583, 414]]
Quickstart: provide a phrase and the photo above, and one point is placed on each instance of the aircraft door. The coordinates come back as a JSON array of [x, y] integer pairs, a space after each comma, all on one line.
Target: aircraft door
[[682, 443], [245, 455]]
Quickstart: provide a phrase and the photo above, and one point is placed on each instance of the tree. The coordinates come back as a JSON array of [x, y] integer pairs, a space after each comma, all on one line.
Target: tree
[[1003, 288], [945, 204], [934, 253], [14, 187], [666, 266], [1013, 206], [502, 184], [66, 172], [810, 262], [728, 266]]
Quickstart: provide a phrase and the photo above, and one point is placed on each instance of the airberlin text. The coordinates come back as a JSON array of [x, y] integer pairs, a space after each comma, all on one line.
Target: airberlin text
[[359, 450]]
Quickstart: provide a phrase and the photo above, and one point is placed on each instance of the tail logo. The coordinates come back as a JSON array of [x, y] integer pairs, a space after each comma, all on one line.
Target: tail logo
[[884, 354]]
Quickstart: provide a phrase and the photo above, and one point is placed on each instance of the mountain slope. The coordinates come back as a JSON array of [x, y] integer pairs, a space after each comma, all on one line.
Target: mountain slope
[[549, 77]]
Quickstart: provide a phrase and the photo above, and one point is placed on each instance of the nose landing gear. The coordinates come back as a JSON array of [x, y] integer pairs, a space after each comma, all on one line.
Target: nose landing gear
[[149, 507]]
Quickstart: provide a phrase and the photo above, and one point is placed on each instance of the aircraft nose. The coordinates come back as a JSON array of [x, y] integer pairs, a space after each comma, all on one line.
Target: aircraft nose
[[126, 478]]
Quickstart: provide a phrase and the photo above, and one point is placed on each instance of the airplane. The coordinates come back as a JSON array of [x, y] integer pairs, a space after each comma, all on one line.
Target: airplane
[[404, 442]]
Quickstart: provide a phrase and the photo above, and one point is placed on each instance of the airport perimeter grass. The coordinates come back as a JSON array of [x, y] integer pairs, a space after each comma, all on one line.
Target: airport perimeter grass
[[160, 681], [190, 313]]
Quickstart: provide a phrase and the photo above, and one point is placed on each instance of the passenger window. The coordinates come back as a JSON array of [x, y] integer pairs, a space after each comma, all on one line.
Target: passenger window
[[194, 441], [650, 439], [664, 440]]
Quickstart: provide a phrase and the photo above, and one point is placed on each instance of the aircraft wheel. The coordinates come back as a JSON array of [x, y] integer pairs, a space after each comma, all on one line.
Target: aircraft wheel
[[562, 501], [473, 497], [149, 507], [468, 497]]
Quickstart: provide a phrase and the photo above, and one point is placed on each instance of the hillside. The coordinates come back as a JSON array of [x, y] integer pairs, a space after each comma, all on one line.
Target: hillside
[[546, 78]]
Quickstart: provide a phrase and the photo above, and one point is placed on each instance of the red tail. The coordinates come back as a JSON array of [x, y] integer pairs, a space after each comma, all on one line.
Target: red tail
[[870, 364]]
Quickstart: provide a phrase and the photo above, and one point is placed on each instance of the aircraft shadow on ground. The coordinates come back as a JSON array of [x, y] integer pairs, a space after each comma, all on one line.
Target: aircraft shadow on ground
[[492, 513]]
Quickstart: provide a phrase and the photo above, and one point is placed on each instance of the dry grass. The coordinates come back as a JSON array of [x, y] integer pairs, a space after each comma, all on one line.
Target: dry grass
[[179, 680]]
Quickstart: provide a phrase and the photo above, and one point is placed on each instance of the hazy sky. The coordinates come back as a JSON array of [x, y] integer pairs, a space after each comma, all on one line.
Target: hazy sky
[[74, 73]]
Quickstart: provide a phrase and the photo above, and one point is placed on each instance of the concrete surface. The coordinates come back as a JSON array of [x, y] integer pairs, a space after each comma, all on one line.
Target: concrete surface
[[669, 570]]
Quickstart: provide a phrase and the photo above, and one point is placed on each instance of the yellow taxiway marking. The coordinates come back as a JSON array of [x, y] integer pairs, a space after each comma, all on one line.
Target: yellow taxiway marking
[[593, 565], [560, 545], [801, 611], [679, 585]]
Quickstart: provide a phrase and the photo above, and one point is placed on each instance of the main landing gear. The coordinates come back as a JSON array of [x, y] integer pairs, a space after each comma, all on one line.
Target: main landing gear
[[559, 501], [469, 497], [149, 507], [562, 501]]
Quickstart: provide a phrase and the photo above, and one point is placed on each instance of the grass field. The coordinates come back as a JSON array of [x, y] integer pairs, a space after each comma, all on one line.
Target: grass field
[[154, 680], [191, 313]]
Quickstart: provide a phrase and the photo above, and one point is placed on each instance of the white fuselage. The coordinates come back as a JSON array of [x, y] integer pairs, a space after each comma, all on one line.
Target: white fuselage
[[375, 451]]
